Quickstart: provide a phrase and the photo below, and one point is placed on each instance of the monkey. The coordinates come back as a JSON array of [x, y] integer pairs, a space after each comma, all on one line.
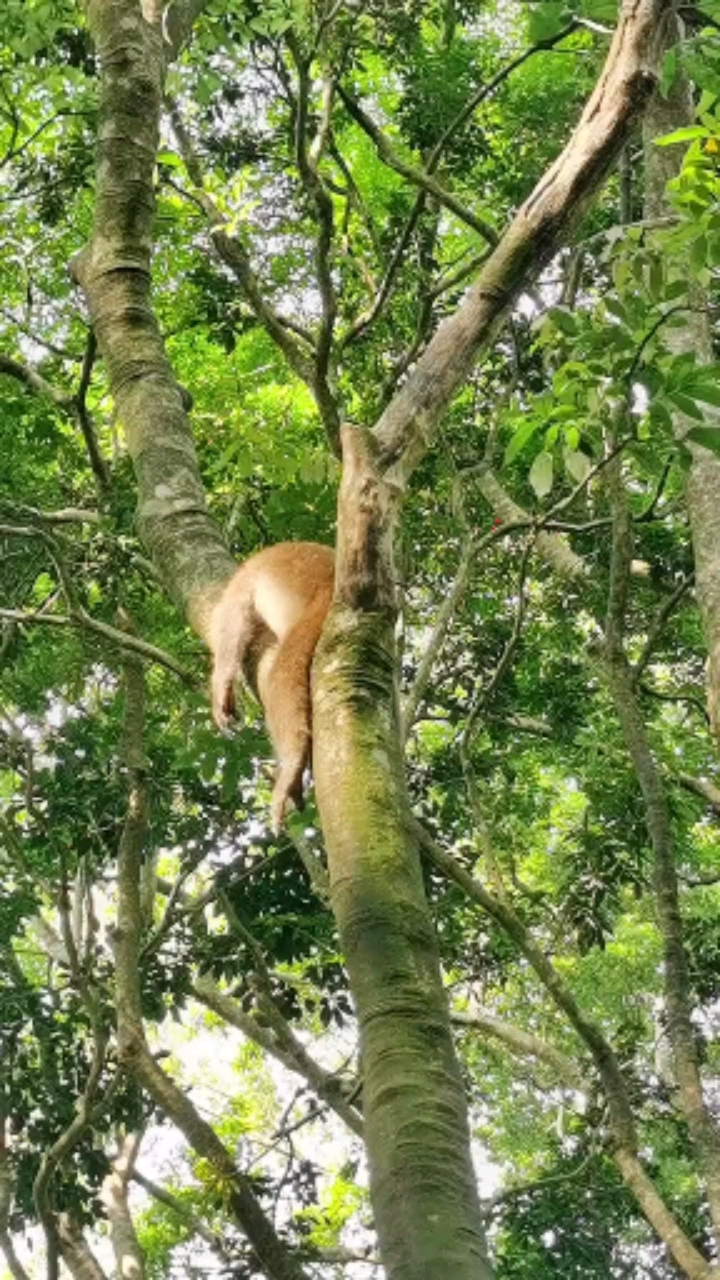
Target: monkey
[[265, 628]]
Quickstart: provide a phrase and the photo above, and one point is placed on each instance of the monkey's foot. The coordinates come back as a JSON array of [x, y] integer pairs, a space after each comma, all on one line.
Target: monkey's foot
[[287, 791]]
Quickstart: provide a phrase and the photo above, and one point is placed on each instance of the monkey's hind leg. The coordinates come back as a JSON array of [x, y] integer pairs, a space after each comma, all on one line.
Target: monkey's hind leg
[[285, 695]]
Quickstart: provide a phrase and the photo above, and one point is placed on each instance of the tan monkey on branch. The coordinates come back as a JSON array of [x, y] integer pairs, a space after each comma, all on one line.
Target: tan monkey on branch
[[265, 628]]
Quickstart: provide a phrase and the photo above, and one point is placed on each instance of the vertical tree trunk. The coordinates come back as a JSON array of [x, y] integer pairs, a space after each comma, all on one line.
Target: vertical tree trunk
[[422, 1183], [663, 116]]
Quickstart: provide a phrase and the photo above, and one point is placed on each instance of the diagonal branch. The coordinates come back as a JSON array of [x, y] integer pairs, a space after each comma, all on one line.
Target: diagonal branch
[[195, 1225], [233, 253], [523, 1043], [418, 177], [702, 1126], [622, 1124], [383, 293], [279, 1040]]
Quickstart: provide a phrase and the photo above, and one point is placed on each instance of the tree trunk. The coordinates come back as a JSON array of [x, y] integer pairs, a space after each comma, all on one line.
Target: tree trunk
[[664, 115], [421, 1178]]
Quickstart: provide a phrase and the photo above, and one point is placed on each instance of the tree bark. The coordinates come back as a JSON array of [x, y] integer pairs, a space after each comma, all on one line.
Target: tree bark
[[422, 1183], [664, 116], [113, 270]]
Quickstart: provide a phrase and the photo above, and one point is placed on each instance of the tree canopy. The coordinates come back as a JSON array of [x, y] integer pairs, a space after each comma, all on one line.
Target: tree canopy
[[322, 188]]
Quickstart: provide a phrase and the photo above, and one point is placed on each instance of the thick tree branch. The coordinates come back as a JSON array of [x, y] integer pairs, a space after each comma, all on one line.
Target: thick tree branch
[[76, 1252], [113, 269], [129, 1256]]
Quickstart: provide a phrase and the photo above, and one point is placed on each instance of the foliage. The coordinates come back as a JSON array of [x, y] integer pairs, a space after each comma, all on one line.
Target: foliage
[[515, 762]]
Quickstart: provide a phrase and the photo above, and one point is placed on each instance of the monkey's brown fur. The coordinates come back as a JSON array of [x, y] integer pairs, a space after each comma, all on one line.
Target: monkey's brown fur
[[265, 628]]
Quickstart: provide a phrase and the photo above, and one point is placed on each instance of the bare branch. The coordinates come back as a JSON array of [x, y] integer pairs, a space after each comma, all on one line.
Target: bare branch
[[80, 619], [553, 549], [658, 625], [195, 1225], [408, 425], [441, 626], [34, 381], [100, 467], [279, 1040], [76, 1252], [523, 1043], [418, 177], [703, 788]]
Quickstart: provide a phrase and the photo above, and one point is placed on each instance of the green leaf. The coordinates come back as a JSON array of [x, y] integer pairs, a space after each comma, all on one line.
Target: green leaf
[[699, 253], [524, 433], [541, 474], [616, 308], [708, 437], [660, 416], [686, 134], [546, 20], [564, 320], [686, 405], [577, 463], [707, 392]]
